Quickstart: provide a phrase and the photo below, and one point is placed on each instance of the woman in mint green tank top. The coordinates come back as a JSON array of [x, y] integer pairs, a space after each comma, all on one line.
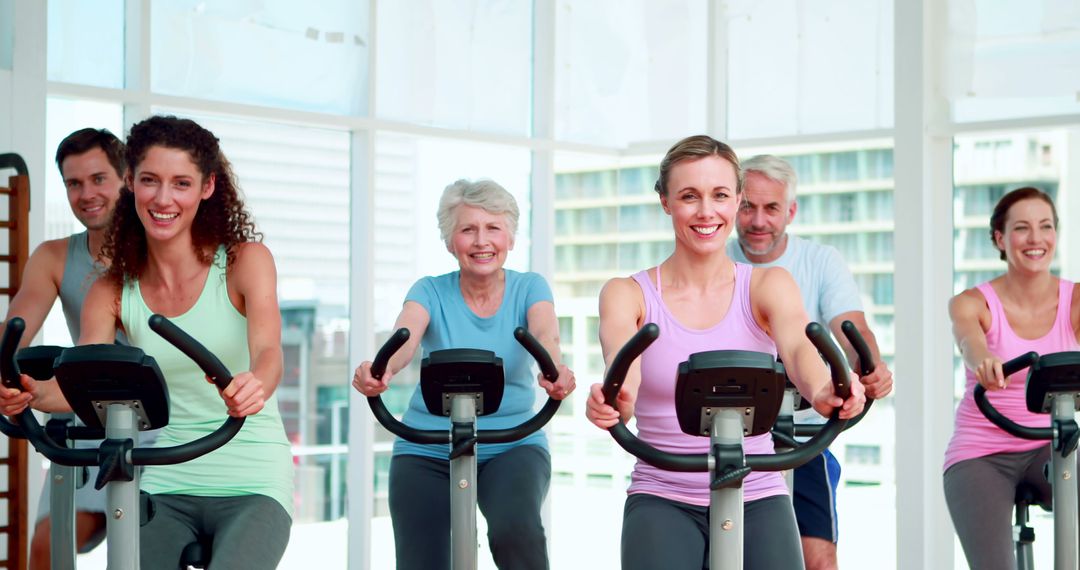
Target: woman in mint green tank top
[[182, 245]]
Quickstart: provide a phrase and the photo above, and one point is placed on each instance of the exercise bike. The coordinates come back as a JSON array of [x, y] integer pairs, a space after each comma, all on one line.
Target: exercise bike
[[1053, 387], [726, 395], [118, 391], [462, 383], [786, 430]]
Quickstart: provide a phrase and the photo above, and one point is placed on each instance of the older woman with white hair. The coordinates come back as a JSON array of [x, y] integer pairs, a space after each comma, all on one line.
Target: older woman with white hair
[[477, 306]]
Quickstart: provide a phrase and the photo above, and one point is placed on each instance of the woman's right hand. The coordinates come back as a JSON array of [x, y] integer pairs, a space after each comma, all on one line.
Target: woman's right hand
[[367, 384], [602, 415], [13, 401], [989, 373]]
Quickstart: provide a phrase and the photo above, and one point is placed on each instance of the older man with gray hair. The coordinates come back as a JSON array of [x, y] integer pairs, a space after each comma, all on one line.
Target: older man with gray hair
[[830, 296]]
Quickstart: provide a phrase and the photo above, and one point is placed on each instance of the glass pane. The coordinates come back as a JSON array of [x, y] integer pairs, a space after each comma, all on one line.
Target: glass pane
[[410, 174], [7, 32], [612, 225], [86, 42], [263, 52], [629, 70], [608, 223], [295, 182], [1012, 58], [799, 67], [465, 65], [63, 117], [985, 167]]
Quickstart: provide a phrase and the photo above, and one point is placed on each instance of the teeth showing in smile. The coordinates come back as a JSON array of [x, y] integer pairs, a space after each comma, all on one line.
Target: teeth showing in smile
[[483, 255], [1035, 252], [705, 230], [163, 216]]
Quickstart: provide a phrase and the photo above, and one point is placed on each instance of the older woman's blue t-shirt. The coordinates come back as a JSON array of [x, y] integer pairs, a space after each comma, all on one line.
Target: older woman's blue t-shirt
[[454, 325]]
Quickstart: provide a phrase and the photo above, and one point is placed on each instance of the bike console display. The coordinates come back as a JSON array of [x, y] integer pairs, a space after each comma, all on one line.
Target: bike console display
[[96, 375], [1055, 373], [718, 379], [453, 372]]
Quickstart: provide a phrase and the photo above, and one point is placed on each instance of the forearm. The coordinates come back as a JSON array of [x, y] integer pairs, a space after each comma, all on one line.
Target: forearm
[[809, 373], [267, 365]]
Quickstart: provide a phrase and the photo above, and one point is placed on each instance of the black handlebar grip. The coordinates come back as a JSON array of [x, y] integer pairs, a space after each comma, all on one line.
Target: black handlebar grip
[[392, 344], [620, 365], [207, 361], [820, 338], [13, 332], [997, 418], [538, 352], [866, 358], [1019, 363]]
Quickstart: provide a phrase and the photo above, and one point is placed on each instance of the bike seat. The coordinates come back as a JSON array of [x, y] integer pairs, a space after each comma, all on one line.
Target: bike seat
[[1027, 495], [196, 554]]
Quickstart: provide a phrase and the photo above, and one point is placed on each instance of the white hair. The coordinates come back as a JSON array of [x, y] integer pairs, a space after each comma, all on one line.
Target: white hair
[[774, 168], [485, 194]]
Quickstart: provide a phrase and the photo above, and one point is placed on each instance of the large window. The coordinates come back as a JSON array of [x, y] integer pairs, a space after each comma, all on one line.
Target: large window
[[985, 167], [263, 53], [629, 70], [326, 108], [1012, 58], [464, 65], [809, 67]]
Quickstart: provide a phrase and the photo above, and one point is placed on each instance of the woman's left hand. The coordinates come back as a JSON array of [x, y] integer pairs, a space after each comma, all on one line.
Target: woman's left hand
[[562, 386], [826, 400], [244, 396]]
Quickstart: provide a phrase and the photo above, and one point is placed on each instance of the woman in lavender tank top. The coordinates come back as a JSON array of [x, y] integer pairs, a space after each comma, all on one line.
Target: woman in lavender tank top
[[1027, 308], [702, 300]]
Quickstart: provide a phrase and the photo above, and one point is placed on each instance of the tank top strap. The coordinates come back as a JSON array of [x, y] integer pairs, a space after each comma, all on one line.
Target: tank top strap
[[649, 293], [1065, 294], [998, 322], [743, 273], [659, 283]]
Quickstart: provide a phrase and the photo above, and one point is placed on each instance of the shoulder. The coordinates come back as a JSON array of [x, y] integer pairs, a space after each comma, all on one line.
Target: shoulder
[[771, 277], [621, 289], [251, 255], [54, 249], [252, 264], [49, 257], [969, 302], [819, 252], [527, 279]]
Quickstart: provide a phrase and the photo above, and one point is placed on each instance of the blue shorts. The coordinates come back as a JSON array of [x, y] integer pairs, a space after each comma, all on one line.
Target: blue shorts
[[815, 497]]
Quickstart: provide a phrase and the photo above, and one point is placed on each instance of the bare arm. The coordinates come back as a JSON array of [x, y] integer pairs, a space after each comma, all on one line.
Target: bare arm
[[254, 278], [544, 325], [414, 317], [778, 307], [40, 287], [970, 321], [100, 314], [879, 382], [622, 310]]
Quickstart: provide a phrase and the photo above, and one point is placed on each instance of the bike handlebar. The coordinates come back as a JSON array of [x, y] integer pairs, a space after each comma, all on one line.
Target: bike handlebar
[[398, 428], [700, 462], [997, 418]]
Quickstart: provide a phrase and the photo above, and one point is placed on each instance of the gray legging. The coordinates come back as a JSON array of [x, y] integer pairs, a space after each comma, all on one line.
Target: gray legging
[[981, 493], [250, 532], [510, 490], [661, 533]]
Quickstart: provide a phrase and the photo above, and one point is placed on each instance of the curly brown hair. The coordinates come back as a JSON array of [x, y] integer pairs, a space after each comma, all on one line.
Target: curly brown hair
[[220, 221]]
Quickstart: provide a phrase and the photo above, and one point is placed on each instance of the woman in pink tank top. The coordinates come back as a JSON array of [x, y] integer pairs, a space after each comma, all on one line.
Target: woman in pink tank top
[[1025, 309], [702, 300]]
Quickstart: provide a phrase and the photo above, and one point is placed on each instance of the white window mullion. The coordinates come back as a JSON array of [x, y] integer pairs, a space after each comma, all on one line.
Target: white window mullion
[[923, 283]]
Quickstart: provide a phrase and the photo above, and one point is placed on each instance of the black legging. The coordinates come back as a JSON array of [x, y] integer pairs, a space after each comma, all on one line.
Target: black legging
[[510, 490], [661, 533]]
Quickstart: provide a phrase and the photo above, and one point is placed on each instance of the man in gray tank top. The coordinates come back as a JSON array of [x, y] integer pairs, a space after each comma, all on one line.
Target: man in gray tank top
[[92, 164]]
